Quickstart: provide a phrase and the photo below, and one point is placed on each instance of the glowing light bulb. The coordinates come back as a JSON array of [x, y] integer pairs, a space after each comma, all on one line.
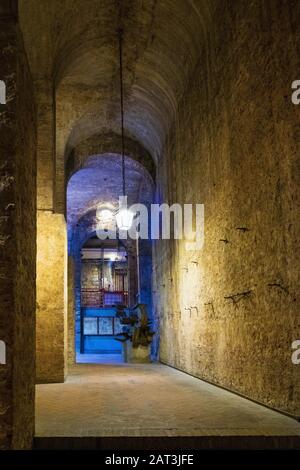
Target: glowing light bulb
[[105, 215], [124, 219]]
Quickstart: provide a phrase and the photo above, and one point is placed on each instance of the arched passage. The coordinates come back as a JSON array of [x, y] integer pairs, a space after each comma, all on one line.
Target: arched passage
[[98, 184]]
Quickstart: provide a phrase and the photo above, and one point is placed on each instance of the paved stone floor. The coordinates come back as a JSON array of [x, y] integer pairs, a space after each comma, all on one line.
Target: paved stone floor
[[149, 400], [99, 358]]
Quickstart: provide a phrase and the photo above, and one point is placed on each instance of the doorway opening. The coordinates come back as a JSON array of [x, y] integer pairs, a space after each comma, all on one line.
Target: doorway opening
[[104, 272], [104, 284]]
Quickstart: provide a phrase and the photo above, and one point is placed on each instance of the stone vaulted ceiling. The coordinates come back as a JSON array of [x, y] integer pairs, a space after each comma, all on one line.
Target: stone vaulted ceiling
[[75, 41], [100, 182], [74, 45]]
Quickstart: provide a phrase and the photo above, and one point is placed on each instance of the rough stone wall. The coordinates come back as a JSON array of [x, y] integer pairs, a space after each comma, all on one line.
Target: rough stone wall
[[90, 276], [45, 142], [108, 143], [17, 239], [52, 309], [235, 148], [51, 326]]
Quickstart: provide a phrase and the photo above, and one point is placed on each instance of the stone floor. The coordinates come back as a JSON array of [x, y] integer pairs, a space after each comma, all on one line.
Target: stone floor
[[148, 400], [99, 358]]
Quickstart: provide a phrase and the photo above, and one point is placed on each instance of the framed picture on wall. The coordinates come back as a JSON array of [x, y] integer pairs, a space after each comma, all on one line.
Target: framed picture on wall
[[90, 326], [106, 326]]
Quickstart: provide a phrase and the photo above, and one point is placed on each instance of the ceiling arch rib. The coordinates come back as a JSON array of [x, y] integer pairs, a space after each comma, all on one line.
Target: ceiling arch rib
[[161, 48], [99, 181], [108, 143], [163, 40]]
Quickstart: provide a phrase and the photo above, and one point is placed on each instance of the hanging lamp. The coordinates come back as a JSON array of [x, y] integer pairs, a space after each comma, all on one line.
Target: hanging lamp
[[124, 216]]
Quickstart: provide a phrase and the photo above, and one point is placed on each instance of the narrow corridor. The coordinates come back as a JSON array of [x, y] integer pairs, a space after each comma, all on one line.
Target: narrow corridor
[[149, 211]]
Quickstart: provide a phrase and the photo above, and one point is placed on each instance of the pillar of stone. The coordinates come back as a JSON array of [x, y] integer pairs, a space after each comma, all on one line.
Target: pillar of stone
[[51, 320], [17, 237], [52, 308]]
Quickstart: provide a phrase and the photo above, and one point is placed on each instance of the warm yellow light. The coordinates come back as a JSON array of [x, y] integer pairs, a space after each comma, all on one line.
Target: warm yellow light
[[105, 218], [124, 219], [105, 215]]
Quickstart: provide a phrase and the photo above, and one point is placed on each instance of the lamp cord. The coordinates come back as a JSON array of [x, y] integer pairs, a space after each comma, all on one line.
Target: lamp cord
[[120, 32]]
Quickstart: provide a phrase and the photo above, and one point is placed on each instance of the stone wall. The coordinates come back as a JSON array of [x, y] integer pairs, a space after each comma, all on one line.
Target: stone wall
[[235, 148], [90, 275], [17, 238], [52, 309], [45, 142], [51, 327]]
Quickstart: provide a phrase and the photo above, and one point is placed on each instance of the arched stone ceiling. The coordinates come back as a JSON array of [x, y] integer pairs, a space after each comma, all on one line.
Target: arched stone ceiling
[[109, 143], [100, 182], [75, 42], [86, 229]]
